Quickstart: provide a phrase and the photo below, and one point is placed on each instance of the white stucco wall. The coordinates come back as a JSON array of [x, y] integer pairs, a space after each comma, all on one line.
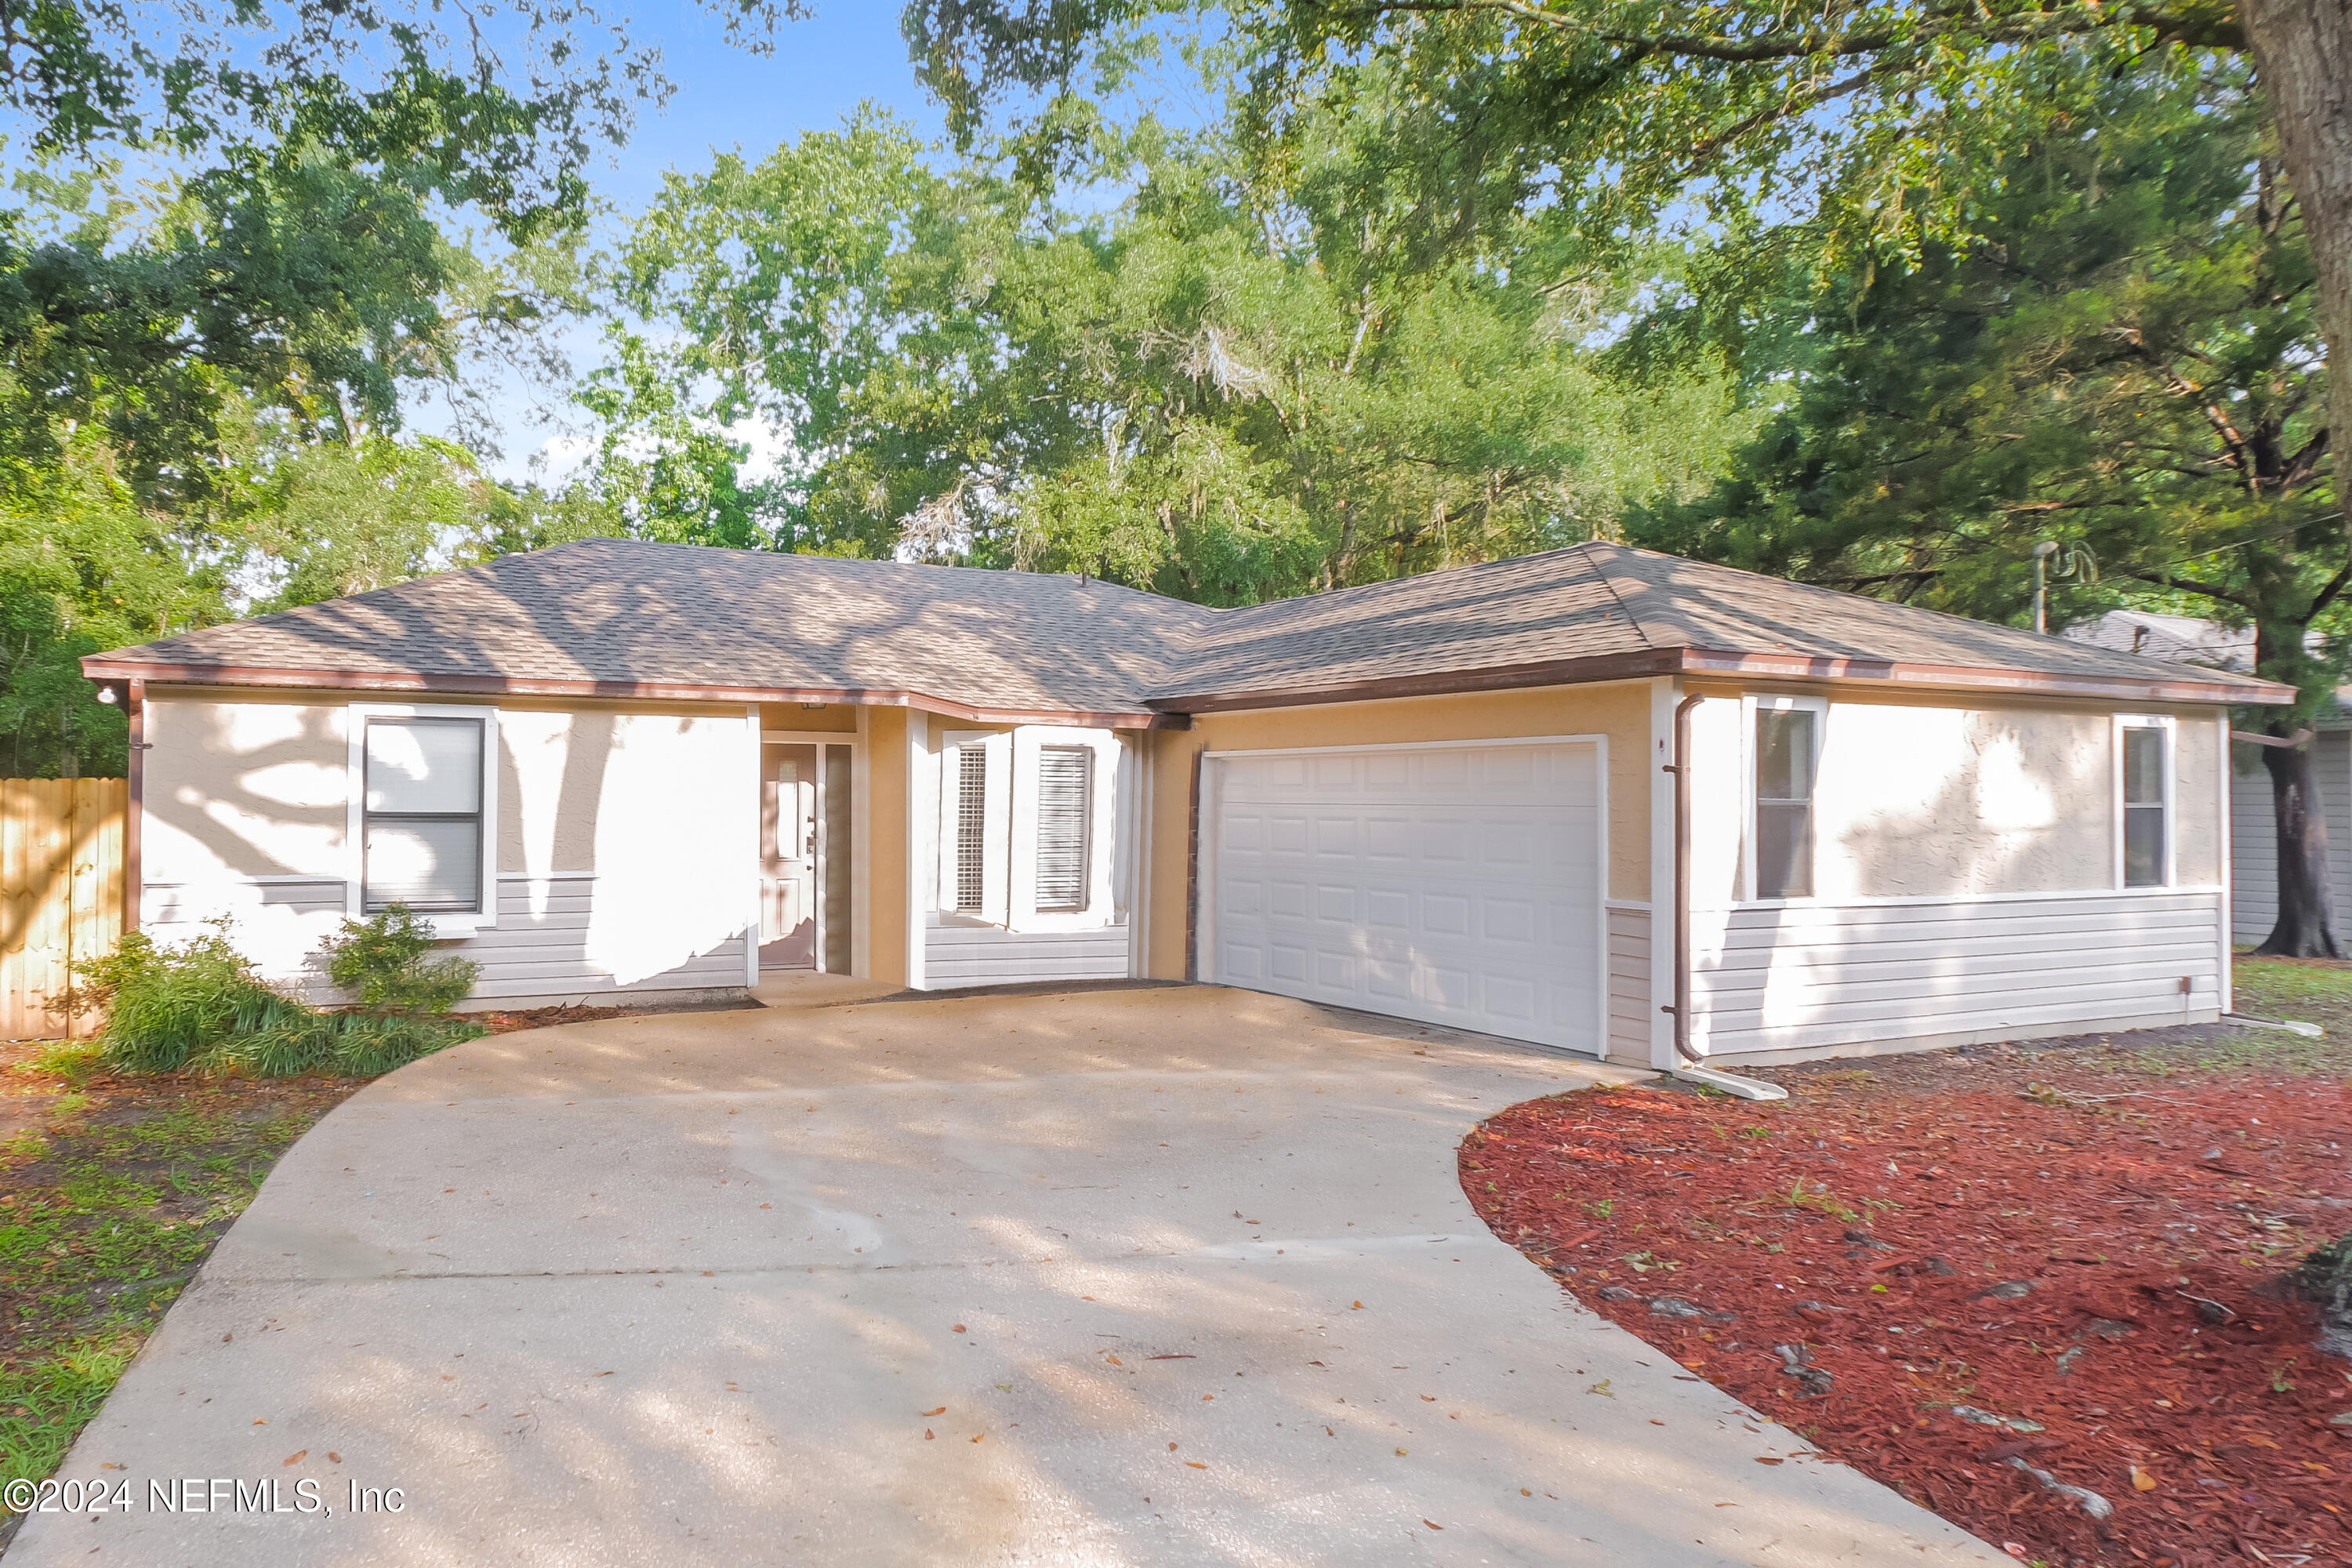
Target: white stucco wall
[[1921, 800], [626, 838]]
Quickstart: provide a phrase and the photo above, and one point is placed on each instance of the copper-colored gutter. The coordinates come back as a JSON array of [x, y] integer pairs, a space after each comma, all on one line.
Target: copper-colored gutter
[[1699, 661], [98, 668]]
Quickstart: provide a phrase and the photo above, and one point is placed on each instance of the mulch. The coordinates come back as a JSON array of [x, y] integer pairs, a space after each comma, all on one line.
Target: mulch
[[1983, 1278], [544, 1017]]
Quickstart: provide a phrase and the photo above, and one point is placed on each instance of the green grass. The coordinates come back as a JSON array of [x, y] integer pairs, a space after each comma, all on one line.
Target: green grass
[[109, 1203]]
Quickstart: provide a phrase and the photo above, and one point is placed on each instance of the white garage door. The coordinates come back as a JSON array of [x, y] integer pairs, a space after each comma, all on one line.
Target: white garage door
[[1457, 885]]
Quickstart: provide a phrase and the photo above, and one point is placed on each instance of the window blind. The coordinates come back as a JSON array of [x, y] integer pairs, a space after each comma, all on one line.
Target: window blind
[[971, 830], [1064, 790]]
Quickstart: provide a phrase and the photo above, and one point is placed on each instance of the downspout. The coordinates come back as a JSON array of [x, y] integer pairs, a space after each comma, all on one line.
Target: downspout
[[135, 708], [1690, 1058]]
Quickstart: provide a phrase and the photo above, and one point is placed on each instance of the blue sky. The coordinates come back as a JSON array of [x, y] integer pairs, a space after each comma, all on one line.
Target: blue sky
[[821, 70]]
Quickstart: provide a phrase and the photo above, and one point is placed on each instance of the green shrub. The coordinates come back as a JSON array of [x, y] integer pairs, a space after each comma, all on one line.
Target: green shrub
[[198, 1005], [385, 960], [169, 1006]]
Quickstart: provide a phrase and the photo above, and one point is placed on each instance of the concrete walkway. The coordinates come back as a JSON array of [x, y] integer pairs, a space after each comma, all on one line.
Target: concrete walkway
[[1151, 1276]]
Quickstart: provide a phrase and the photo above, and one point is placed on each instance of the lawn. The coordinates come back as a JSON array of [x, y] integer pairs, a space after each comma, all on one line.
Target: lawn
[[2033, 1288], [113, 1188]]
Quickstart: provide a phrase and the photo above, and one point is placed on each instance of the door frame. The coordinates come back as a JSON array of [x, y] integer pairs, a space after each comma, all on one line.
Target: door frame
[[827, 852], [1211, 806]]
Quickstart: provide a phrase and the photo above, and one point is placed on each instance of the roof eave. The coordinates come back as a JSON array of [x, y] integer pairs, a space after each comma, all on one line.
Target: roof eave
[[102, 666], [1723, 662]]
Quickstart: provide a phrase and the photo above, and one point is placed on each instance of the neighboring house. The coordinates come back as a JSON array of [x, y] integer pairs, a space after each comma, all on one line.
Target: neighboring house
[[2253, 825], [625, 768]]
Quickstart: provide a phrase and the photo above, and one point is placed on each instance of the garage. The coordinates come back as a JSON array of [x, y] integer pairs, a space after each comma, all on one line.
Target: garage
[[1451, 883]]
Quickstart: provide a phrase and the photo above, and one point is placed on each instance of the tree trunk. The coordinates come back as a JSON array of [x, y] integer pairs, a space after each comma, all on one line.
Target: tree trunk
[[2306, 905], [2303, 54]]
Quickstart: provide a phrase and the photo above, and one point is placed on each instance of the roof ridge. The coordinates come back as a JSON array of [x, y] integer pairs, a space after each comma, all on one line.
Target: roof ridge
[[1617, 599]]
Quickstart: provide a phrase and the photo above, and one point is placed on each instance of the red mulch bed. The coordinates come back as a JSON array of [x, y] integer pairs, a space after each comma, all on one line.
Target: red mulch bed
[[1880, 1224]]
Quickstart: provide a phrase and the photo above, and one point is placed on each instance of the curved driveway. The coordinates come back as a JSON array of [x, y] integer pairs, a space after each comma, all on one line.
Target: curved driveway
[[1149, 1276]]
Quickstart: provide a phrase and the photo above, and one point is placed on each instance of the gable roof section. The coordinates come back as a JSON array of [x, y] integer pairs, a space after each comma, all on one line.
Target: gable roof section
[[1600, 611], [633, 618]]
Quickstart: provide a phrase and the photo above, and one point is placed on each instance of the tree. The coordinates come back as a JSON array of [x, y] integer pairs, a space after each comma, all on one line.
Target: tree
[[1865, 120], [2125, 360], [1223, 390]]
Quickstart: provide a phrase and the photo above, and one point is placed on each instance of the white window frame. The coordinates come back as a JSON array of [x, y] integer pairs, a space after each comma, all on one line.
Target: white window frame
[[1751, 704], [2169, 727], [445, 924], [996, 747], [1102, 836]]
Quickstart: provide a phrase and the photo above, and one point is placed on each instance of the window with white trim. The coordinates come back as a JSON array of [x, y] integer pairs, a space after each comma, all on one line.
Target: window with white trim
[[1787, 746], [2146, 803], [421, 814], [1066, 785]]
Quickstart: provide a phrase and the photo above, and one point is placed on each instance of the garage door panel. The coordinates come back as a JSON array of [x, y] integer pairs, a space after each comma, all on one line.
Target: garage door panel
[[1458, 886]]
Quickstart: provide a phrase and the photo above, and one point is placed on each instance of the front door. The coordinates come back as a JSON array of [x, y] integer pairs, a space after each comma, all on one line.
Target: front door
[[788, 857]]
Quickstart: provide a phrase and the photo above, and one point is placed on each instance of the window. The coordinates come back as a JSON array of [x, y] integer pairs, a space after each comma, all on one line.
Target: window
[[971, 826], [1786, 738], [1066, 777], [421, 814], [2146, 852]]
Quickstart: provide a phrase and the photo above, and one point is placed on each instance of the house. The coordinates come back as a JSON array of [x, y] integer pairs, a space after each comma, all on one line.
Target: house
[[622, 768], [2253, 825]]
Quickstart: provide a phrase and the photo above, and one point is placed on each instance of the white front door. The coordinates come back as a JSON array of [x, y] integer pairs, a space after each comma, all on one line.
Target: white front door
[[1452, 884], [788, 833]]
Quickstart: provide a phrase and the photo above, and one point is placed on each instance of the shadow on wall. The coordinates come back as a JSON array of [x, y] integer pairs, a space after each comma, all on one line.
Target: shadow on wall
[[615, 844], [1920, 803]]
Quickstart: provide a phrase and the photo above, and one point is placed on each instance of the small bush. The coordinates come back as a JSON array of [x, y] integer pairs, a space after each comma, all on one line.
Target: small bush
[[199, 1006], [169, 1007], [385, 960]]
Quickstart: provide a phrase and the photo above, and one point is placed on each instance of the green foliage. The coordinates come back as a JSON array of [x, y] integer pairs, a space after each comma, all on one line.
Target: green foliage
[[170, 1007], [1222, 393], [385, 960], [198, 1007], [2127, 363]]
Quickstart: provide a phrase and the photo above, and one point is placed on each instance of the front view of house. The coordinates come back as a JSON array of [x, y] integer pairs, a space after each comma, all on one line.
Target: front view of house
[[622, 769]]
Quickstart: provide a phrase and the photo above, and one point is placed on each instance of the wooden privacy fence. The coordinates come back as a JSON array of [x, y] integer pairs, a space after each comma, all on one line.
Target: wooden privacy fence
[[61, 843]]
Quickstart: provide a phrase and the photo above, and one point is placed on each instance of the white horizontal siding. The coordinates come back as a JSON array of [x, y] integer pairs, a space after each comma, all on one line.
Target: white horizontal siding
[[1813, 977], [1629, 984], [2253, 835], [957, 955], [550, 941]]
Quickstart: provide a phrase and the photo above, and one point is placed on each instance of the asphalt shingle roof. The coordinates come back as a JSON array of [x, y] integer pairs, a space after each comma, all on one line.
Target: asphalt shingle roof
[[631, 612]]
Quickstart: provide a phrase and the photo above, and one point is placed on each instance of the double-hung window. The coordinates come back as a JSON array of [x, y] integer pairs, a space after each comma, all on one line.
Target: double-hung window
[[421, 817], [2146, 803], [1787, 747], [1065, 788]]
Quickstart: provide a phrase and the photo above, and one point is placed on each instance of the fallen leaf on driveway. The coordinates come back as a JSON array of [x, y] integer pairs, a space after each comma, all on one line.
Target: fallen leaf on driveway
[[1196, 1464], [1767, 1460], [927, 1435], [942, 1410], [1113, 1360], [296, 1457], [1432, 1524], [1356, 1307], [976, 1437], [956, 1328], [1601, 1388], [334, 1458], [1171, 1358]]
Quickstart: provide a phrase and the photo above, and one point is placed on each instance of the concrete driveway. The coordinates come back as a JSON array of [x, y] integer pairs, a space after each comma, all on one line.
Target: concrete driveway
[[1151, 1275]]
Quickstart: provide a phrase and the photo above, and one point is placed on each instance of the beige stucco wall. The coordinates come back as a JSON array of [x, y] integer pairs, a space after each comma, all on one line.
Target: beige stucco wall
[[1921, 798], [886, 910], [1619, 710]]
